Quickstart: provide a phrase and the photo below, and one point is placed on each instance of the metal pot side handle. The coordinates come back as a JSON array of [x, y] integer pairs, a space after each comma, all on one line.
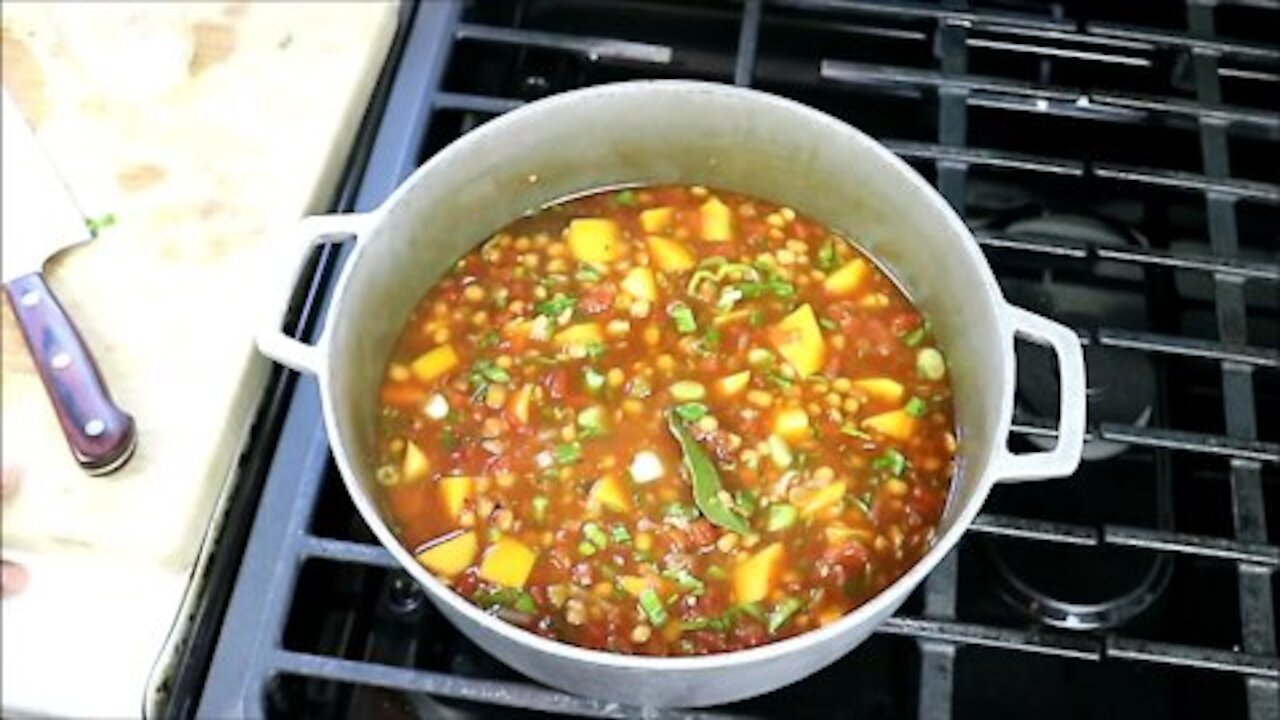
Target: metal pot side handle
[[308, 233], [1064, 458]]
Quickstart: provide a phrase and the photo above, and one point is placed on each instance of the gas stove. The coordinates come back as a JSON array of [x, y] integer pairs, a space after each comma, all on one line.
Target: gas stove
[[1120, 165]]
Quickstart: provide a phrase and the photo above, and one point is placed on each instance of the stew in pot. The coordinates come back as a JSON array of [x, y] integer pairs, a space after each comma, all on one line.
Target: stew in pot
[[666, 420]]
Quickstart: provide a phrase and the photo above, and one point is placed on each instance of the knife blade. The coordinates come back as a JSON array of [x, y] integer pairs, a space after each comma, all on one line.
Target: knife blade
[[39, 220]]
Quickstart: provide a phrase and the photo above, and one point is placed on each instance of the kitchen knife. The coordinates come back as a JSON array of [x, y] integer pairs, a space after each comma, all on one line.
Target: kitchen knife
[[39, 220]]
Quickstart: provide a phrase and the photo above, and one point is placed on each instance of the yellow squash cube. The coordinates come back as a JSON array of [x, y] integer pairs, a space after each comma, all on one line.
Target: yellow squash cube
[[846, 279], [455, 491], [508, 563], [433, 363], [582, 334], [824, 498], [610, 492], [799, 341], [792, 423], [451, 556], [640, 284], [731, 385], [669, 255], [717, 221], [754, 578], [595, 240], [656, 219], [883, 389], [897, 424]]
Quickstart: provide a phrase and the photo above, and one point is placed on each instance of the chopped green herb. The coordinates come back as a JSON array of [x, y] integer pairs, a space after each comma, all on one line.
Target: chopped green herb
[[781, 613], [828, 323], [653, 608], [715, 624], [715, 572], [778, 379], [620, 534], [691, 411], [484, 372], [752, 608], [756, 318], [680, 510], [745, 500], [586, 549], [864, 502], [891, 460], [567, 453], [626, 198], [710, 340], [683, 318], [449, 439], [554, 307], [489, 340], [707, 487], [595, 350], [781, 517], [916, 407], [100, 223], [595, 535], [540, 504]]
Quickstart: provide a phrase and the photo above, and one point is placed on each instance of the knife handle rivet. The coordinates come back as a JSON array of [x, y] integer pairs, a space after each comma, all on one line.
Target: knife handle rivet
[[94, 427], [60, 361], [31, 298]]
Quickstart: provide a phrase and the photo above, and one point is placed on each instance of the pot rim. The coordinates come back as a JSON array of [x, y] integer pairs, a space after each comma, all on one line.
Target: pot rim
[[887, 600]]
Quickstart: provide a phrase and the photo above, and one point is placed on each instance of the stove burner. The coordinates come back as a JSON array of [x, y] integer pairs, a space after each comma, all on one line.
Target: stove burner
[[1071, 587], [1121, 383]]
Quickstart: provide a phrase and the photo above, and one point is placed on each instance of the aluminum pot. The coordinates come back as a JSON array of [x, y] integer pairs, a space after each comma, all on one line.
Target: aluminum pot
[[675, 132]]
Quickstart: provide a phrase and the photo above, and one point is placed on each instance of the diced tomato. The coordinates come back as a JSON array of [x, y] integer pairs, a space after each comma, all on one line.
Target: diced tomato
[[403, 395], [598, 299]]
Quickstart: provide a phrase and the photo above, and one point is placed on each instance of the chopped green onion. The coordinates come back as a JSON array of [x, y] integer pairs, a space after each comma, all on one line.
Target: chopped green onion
[[781, 517], [686, 581], [916, 407], [594, 379], [682, 315], [586, 549], [567, 453], [625, 197], [652, 606], [595, 350], [489, 340], [753, 609], [540, 504], [891, 460], [587, 274], [827, 259], [716, 624], [851, 431], [914, 337], [930, 365], [745, 500], [828, 323], [691, 411], [595, 535], [679, 510], [620, 534], [781, 613], [98, 224], [525, 603]]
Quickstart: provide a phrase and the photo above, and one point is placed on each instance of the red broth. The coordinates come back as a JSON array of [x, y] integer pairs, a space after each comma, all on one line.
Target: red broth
[[666, 421]]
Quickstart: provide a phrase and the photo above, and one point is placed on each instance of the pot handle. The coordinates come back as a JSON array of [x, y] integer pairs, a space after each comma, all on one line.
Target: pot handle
[[1064, 458], [309, 232]]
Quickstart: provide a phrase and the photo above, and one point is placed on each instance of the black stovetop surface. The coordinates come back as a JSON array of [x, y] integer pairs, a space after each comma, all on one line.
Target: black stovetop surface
[[1119, 163]]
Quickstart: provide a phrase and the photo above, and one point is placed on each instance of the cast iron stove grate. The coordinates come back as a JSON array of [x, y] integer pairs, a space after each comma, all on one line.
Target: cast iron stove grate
[[1119, 163]]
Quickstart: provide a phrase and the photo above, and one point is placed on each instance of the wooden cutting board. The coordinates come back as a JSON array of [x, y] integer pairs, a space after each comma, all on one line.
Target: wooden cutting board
[[206, 130]]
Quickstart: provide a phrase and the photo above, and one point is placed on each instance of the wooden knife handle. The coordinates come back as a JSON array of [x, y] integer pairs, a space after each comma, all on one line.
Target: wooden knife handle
[[101, 435]]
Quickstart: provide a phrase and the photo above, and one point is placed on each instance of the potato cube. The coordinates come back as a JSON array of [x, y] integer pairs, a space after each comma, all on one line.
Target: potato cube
[[433, 363], [792, 423], [582, 334], [799, 341], [595, 240], [610, 492], [455, 491], [897, 424], [846, 279], [717, 221], [656, 219], [451, 556], [731, 385], [508, 562], [756, 576], [415, 464], [883, 389], [640, 283], [825, 497], [669, 255]]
